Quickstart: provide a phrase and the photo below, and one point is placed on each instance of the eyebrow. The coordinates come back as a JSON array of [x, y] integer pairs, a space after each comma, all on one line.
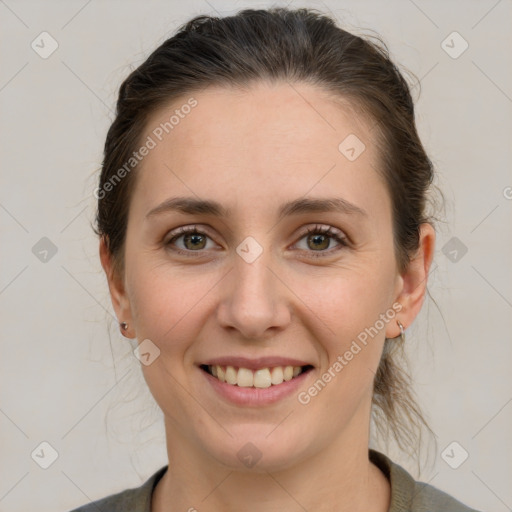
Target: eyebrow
[[194, 206]]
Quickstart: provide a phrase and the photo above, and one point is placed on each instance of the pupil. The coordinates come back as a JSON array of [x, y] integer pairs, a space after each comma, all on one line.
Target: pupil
[[194, 239], [316, 239]]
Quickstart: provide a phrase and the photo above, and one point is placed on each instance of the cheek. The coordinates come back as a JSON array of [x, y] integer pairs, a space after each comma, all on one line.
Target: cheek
[[348, 311], [347, 314], [169, 306], [347, 304], [158, 297]]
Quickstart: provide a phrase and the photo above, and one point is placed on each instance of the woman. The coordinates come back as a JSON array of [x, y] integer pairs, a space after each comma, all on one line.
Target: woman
[[263, 229]]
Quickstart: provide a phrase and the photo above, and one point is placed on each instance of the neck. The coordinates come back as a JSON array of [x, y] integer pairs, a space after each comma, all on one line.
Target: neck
[[340, 478]]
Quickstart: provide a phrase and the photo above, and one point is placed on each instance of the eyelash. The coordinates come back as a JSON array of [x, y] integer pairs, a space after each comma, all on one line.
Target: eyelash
[[317, 230]]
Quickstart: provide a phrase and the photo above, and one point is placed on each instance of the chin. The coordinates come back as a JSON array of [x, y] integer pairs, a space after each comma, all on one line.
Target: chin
[[258, 448]]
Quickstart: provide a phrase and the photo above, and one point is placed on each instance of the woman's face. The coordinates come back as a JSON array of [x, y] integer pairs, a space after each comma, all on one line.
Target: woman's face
[[253, 283]]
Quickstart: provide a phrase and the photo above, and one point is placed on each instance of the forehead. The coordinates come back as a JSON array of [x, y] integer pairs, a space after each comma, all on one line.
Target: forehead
[[265, 141], [276, 114]]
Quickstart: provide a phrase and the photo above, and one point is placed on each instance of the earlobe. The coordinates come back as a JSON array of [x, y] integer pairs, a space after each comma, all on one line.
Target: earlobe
[[414, 280]]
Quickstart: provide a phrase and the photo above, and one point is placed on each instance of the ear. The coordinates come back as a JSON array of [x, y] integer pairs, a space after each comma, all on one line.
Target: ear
[[413, 282], [118, 295]]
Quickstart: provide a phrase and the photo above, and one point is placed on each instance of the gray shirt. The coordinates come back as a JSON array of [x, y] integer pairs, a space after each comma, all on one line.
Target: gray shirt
[[407, 495]]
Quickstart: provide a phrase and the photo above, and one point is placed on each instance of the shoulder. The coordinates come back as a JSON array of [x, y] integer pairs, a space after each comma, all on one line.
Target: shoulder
[[137, 499], [429, 498], [408, 495]]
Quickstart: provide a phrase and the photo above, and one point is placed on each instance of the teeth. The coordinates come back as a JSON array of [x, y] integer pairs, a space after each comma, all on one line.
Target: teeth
[[262, 378], [245, 378], [231, 375], [277, 375]]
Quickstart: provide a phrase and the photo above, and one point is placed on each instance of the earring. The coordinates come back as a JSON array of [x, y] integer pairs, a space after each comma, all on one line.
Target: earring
[[124, 326], [402, 333]]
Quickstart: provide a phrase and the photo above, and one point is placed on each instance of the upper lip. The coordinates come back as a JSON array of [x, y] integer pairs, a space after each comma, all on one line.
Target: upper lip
[[255, 364]]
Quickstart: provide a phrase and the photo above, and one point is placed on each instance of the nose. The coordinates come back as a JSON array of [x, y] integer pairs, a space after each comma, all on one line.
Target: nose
[[254, 300]]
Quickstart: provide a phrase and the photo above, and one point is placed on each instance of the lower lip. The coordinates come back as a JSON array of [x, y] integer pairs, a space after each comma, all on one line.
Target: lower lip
[[256, 396]]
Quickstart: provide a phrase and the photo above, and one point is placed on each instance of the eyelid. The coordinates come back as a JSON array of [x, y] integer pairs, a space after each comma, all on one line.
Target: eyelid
[[183, 230], [323, 228]]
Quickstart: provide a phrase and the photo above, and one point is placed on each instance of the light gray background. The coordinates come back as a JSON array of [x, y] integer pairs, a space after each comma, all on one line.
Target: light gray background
[[58, 380]]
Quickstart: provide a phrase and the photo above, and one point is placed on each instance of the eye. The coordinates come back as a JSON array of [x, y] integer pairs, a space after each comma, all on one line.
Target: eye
[[194, 240], [319, 238]]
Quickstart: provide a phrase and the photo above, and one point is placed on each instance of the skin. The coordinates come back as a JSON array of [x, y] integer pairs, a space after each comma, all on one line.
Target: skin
[[251, 151]]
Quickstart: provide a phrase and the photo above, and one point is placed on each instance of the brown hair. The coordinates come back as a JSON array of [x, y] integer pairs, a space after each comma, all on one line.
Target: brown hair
[[300, 45]]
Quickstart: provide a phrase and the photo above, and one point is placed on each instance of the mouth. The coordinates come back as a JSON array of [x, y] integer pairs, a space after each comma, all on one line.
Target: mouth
[[259, 378]]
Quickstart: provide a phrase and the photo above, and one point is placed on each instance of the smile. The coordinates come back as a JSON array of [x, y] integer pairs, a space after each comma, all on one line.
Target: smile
[[260, 378]]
